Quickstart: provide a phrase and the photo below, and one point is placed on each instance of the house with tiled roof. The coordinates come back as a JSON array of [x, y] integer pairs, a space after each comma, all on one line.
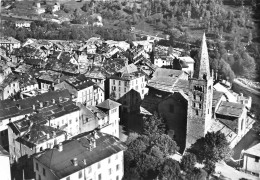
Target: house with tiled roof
[[251, 160], [127, 86], [11, 111], [9, 86], [32, 135], [107, 117], [83, 89], [94, 155], [9, 43]]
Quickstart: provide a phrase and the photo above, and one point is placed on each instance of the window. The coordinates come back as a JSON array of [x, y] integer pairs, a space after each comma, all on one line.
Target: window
[[99, 177], [171, 108], [117, 177], [200, 106], [114, 82], [194, 104], [257, 159], [109, 171], [70, 121], [39, 177], [68, 178], [117, 167], [80, 174], [37, 167], [108, 160], [99, 165], [125, 89], [43, 172], [119, 89], [119, 83], [89, 169], [197, 112]]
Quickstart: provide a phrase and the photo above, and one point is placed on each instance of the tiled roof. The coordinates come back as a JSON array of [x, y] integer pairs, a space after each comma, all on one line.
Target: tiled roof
[[254, 150], [80, 82], [37, 134], [60, 163], [108, 104], [8, 40], [151, 101], [230, 109], [218, 126], [181, 84], [165, 79], [131, 68], [9, 108], [10, 78], [216, 97], [231, 124]]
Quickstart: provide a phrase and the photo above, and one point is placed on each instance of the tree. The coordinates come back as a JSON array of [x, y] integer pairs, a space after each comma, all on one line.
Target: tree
[[48, 9], [210, 149], [170, 170], [154, 124], [146, 153], [33, 26], [188, 162]]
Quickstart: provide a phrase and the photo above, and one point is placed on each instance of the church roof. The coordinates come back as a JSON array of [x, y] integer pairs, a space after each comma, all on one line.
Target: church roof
[[230, 109], [203, 63]]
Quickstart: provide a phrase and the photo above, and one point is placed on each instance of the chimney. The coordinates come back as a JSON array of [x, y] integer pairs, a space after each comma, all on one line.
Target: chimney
[[48, 136], [93, 142], [84, 161], [60, 147], [53, 101], [41, 104], [75, 162], [33, 106]]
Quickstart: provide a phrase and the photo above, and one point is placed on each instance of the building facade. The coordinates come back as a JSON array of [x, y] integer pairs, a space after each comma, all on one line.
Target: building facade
[[92, 156]]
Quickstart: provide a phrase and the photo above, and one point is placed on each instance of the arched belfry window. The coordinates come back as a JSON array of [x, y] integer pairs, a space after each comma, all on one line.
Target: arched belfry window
[[204, 76]]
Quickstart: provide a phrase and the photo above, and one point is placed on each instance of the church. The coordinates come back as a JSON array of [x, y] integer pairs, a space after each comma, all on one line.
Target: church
[[192, 106]]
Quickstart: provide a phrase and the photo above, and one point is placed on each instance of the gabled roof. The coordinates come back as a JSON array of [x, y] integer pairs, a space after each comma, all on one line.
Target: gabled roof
[[60, 163], [230, 109], [254, 150], [216, 97], [108, 104]]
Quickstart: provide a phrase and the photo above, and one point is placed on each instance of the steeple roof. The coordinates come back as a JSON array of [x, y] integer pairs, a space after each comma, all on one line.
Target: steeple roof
[[203, 71]]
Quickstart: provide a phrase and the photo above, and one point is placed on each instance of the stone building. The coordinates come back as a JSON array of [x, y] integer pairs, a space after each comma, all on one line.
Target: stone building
[[190, 106]]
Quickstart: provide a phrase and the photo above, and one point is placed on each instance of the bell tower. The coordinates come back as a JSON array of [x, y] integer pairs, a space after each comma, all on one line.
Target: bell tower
[[200, 98]]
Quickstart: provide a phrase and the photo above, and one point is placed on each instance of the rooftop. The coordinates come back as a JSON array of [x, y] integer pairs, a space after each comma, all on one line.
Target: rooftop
[[60, 162], [80, 82], [8, 40], [254, 150], [216, 97], [230, 109], [108, 104], [10, 108]]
